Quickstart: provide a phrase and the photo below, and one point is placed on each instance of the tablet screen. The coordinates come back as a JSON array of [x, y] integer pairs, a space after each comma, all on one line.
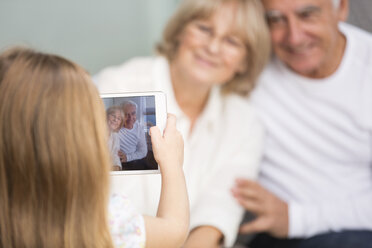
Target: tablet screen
[[129, 120]]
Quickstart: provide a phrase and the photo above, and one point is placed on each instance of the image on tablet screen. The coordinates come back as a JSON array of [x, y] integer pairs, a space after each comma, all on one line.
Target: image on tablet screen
[[129, 120]]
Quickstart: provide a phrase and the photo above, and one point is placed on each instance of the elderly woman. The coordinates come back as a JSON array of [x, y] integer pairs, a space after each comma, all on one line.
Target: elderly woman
[[212, 51], [115, 119]]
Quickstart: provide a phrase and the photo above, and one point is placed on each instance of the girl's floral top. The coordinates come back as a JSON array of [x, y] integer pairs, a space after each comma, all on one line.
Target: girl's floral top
[[127, 226]]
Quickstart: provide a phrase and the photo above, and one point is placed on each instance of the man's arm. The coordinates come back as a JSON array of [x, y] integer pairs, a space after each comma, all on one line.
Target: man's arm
[[141, 148], [296, 220], [353, 213]]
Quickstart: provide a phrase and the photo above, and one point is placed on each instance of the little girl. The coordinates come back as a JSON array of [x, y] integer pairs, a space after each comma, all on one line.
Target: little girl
[[55, 162]]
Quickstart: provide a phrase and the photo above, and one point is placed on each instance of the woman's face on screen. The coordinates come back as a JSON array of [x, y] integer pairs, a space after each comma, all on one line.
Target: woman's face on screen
[[114, 120]]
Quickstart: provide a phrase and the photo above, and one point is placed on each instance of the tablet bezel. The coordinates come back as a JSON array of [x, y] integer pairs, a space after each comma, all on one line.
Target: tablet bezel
[[160, 118]]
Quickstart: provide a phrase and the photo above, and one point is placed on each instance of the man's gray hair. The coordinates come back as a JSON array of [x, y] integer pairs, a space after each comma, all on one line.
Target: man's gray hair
[[336, 3], [129, 103]]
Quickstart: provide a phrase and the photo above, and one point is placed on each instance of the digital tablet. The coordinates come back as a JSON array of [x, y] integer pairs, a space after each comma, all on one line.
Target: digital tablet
[[129, 118]]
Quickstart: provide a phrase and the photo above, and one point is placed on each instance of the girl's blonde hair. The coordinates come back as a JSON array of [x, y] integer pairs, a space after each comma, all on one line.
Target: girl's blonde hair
[[250, 25], [54, 160]]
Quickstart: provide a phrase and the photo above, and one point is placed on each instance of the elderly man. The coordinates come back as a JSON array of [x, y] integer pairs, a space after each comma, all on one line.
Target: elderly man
[[315, 100], [133, 145]]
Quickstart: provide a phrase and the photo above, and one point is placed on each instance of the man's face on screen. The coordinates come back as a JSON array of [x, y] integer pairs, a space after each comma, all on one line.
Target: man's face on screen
[[130, 116]]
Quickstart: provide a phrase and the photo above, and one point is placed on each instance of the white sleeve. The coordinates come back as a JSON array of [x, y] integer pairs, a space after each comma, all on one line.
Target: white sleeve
[[308, 220], [354, 213], [141, 148], [239, 156], [116, 148]]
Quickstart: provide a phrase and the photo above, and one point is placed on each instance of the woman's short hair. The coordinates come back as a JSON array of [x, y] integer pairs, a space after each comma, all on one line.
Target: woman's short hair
[[54, 159], [250, 25], [113, 110]]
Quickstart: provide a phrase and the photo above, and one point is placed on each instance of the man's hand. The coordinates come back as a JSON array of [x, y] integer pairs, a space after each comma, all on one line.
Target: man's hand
[[122, 156], [270, 211]]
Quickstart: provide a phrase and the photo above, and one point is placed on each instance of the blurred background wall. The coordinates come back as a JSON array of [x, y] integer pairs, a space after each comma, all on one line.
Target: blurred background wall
[[361, 14], [98, 33], [92, 33]]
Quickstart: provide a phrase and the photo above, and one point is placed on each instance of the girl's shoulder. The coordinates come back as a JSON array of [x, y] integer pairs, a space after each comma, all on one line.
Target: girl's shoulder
[[126, 224]]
